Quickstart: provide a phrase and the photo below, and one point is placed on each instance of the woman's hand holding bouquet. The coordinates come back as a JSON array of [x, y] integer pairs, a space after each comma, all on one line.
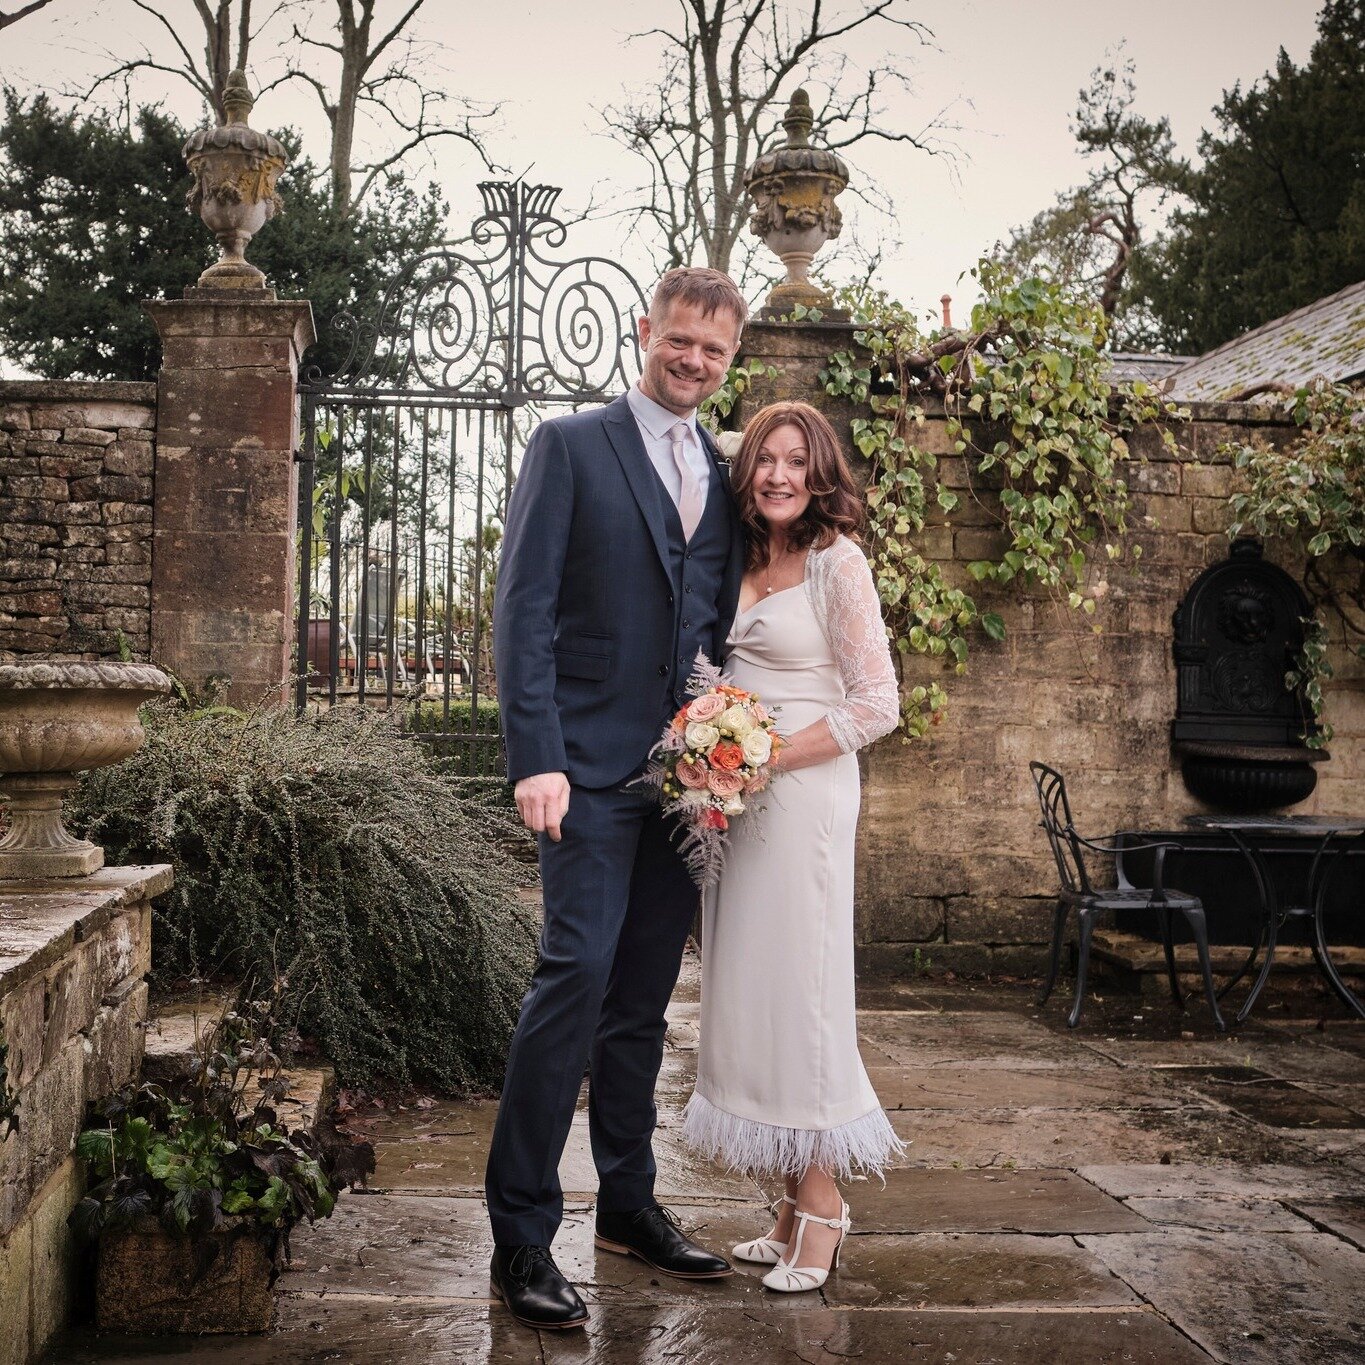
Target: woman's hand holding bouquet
[[715, 755]]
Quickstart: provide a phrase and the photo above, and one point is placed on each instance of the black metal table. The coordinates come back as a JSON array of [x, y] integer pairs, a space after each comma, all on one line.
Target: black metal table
[[1336, 837]]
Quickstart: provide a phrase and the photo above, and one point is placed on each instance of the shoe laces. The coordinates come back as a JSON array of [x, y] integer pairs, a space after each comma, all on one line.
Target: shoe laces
[[658, 1211], [524, 1260]]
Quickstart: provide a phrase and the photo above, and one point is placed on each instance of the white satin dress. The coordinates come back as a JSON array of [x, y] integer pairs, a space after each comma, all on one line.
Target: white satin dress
[[780, 1084]]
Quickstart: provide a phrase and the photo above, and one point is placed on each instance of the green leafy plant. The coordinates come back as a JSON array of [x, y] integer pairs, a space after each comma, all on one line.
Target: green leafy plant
[[738, 381], [1311, 495], [1038, 430], [332, 845], [212, 1147]]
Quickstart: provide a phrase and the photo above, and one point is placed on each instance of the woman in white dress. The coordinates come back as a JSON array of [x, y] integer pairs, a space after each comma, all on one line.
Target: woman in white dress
[[781, 1089]]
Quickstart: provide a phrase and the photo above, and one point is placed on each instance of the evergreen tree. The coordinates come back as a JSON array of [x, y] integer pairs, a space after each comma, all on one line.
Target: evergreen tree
[[93, 222], [1276, 217]]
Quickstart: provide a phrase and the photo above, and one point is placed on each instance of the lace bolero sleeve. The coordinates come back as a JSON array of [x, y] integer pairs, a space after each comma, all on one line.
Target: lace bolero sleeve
[[850, 614]]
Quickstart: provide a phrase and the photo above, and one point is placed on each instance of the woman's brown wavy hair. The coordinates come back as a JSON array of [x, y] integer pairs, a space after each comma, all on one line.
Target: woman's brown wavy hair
[[836, 504]]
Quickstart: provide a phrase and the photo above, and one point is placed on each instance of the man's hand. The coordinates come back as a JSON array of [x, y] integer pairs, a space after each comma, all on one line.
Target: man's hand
[[543, 802]]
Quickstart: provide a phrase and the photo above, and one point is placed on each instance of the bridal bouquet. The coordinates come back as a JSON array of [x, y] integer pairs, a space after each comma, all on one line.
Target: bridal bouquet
[[716, 752]]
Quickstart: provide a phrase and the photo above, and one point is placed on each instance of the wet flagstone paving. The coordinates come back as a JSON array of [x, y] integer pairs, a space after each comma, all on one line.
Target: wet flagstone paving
[[1138, 1191]]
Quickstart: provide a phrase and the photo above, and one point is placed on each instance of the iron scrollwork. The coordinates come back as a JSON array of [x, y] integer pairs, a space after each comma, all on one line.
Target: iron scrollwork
[[497, 319]]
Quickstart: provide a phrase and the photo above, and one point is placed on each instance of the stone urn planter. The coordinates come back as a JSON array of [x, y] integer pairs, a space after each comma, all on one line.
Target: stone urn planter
[[793, 189], [59, 718], [150, 1282], [235, 168]]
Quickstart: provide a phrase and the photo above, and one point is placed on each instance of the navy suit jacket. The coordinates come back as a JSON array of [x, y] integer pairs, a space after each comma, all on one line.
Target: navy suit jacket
[[585, 620]]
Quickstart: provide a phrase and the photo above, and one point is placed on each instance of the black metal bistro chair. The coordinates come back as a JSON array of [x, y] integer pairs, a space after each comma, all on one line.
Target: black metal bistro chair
[[1077, 893]]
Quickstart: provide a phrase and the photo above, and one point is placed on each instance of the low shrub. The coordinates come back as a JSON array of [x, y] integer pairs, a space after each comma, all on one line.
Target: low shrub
[[328, 849]]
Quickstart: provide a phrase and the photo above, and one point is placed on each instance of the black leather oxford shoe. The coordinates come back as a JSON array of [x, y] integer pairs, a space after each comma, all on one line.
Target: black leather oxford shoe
[[528, 1281], [655, 1236]]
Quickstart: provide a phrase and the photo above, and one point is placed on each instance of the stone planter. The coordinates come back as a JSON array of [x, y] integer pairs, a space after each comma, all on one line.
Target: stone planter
[[59, 718], [148, 1282]]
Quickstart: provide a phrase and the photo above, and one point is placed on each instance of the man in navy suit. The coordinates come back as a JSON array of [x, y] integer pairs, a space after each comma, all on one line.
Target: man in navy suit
[[622, 559]]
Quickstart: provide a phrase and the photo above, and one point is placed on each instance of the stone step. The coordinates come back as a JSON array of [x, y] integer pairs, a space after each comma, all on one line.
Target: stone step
[[1135, 964], [177, 1023], [1138, 954]]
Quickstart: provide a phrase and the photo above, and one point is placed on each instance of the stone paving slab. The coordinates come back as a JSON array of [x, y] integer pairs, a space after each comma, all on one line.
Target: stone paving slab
[[1221, 1182], [1305, 1058], [973, 1270], [1003, 1040], [1343, 1218], [339, 1328], [929, 1200], [1267, 1099], [444, 1150], [1290, 1299], [424, 1246], [1220, 1215], [994, 1087], [1079, 1137]]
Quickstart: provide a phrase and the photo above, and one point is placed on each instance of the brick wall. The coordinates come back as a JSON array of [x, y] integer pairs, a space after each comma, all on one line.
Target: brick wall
[[76, 465], [950, 859]]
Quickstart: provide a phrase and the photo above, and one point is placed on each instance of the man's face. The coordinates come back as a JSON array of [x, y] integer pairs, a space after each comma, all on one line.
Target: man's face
[[687, 355]]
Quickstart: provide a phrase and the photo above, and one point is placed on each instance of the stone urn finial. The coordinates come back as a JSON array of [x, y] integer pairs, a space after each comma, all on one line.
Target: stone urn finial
[[235, 168], [793, 189]]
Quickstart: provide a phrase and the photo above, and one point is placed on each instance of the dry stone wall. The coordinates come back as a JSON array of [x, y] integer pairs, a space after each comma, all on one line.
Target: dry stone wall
[[74, 958], [76, 482]]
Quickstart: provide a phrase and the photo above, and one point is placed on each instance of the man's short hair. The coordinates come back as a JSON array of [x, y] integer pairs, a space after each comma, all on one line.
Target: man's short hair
[[709, 290]]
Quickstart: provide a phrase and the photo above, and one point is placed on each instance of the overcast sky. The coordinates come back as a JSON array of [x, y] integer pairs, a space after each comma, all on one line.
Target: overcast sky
[[1006, 71]]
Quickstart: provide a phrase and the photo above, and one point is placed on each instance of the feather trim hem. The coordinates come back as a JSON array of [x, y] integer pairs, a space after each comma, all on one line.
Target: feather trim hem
[[867, 1144]]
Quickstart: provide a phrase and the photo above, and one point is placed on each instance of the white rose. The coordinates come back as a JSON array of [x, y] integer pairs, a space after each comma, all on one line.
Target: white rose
[[701, 737], [693, 797], [734, 806], [736, 720], [758, 747]]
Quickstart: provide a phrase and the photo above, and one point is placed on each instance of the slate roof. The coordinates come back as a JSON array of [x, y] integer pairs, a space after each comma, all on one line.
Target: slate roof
[[1322, 338], [1152, 366]]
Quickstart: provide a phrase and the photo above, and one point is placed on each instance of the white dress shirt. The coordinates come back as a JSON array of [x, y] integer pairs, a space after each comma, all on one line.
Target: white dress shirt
[[655, 422]]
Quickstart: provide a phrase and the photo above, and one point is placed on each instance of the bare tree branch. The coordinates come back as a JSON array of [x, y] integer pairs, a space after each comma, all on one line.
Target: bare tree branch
[[727, 68], [359, 92], [7, 19]]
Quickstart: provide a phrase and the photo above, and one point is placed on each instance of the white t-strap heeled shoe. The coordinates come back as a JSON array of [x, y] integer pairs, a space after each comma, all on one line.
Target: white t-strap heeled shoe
[[763, 1250], [789, 1278]]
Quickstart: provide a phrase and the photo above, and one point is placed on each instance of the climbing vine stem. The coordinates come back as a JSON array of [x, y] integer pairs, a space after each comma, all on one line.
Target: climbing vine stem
[[1036, 427], [1311, 495]]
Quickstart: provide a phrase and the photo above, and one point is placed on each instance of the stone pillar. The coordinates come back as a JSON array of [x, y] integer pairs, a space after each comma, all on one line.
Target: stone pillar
[[226, 491], [798, 351]]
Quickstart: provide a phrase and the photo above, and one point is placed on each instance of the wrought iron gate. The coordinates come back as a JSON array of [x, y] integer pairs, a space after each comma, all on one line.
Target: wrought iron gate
[[408, 456]]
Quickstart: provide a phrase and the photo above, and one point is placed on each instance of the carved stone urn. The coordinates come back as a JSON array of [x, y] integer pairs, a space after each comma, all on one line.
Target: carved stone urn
[[793, 188], [58, 718], [235, 169]]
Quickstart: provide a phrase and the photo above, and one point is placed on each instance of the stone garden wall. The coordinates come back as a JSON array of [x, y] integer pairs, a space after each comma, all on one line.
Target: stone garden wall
[[76, 462], [951, 864], [74, 958]]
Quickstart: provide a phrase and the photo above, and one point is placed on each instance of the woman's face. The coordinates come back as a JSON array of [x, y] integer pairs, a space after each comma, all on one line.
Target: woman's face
[[779, 486]]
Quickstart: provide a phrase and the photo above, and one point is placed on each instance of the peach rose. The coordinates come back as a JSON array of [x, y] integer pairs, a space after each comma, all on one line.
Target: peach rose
[[691, 774], [727, 756], [706, 707], [725, 784], [757, 782], [759, 712]]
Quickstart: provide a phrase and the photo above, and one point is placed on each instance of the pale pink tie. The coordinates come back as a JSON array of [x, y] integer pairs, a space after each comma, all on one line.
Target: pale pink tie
[[689, 502]]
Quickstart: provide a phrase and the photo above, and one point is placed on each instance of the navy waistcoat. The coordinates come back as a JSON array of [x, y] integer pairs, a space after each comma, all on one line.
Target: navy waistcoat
[[698, 570]]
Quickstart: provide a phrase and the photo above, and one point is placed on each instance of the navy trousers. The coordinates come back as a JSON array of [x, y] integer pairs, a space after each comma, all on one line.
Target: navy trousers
[[618, 907]]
